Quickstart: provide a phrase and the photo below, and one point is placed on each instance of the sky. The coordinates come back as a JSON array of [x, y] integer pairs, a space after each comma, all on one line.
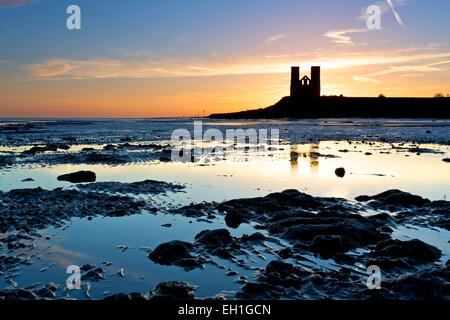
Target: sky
[[151, 58]]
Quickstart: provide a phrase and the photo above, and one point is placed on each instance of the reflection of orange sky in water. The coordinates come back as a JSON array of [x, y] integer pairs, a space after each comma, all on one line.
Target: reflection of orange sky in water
[[242, 174], [257, 174], [61, 256]]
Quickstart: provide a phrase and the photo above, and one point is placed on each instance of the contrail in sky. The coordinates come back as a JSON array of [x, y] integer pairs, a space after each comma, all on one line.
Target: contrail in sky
[[397, 16]]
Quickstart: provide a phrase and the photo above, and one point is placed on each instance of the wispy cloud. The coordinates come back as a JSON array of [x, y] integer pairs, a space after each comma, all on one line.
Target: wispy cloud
[[15, 3], [365, 79], [392, 61], [274, 38], [51, 68], [429, 67], [341, 36]]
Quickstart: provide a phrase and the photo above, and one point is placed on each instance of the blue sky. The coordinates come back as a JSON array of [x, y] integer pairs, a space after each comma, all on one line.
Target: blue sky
[[246, 44]]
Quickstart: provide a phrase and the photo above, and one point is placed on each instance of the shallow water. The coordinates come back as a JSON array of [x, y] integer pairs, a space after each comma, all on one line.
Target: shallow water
[[248, 175]]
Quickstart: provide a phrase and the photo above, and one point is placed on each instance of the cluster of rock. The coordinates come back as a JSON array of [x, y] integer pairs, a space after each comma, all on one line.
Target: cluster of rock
[[328, 228], [30, 209], [207, 243]]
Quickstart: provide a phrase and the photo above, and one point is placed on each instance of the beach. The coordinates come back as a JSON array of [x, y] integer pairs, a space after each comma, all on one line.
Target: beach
[[276, 223]]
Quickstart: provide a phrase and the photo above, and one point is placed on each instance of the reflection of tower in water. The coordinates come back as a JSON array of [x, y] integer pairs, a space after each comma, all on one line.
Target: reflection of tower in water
[[294, 160], [314, 157], [312, 154]]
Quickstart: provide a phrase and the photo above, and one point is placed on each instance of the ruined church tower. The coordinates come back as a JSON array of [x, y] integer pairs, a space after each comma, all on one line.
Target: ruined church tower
[[305, 87]]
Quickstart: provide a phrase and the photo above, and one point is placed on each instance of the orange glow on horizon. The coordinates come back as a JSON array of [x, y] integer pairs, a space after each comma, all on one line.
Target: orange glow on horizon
[[116, 95]]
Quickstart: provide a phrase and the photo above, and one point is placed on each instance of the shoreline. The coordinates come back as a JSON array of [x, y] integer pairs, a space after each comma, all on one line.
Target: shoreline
[[347, 107]]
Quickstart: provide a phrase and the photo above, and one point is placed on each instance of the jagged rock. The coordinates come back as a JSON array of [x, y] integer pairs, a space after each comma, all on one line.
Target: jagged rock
[[31, 209], [45, 292], [415, 251], [329, 245], [218, 242], [215, 238], [260, 290], [285, 253], [93, 273], [343, 258], [353, 233], [176, 253], [140, 187], [431, 283], [233, 218], [17, 294], [134, 296], [174, 290], [254, 237], [285, 274], [395, 198]]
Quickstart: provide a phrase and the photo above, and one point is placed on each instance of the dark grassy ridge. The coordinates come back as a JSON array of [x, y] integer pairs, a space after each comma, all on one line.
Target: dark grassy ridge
[[344, 107]]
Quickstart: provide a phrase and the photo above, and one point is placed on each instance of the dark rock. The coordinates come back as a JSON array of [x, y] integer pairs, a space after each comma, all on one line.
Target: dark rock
[[176, 253], [140, 187], [195, 210], [37, 208], [276, 204], [340, 172], [395, 197], [6, 160], [284, 274], [52, 286], [343, 258], [233, 218], [215, 238], [87, 267], [17, 294], [285, 253], [259, 290], [381, 219], [98, 157], [446, 159], [431, 283], [55, 147], [109, 147], [174, 290], [93, 274], [329, 245], [168, 252], [45, 292], [78, 177], [356, 232], [34, 150], [256, 237], [412, 249], [49, 147], [134, 296]]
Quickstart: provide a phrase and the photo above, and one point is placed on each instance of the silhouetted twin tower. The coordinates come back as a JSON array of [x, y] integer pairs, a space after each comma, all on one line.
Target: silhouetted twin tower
[[305, 87]]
